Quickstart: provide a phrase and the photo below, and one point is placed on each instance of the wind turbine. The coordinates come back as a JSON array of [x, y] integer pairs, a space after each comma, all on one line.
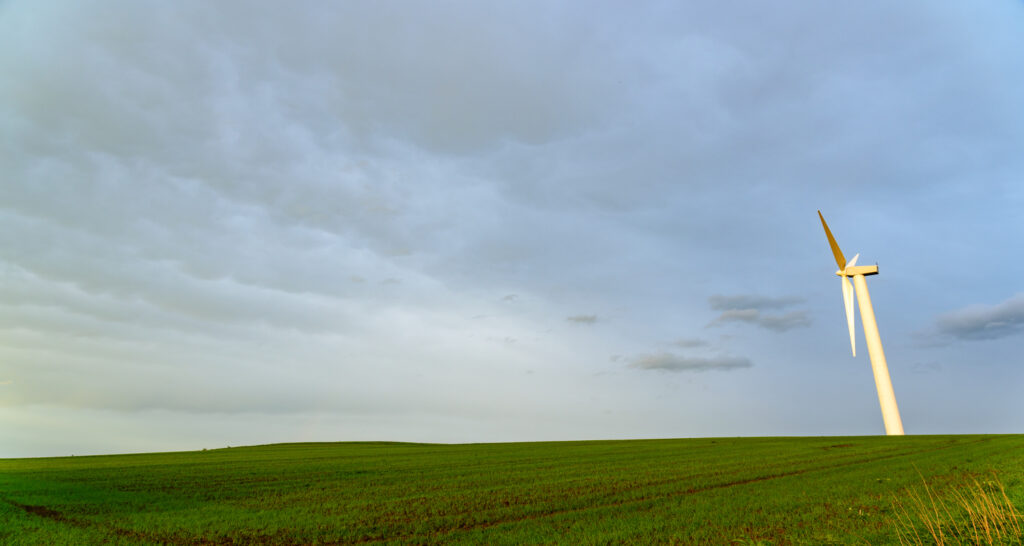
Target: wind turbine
[[886, 396]]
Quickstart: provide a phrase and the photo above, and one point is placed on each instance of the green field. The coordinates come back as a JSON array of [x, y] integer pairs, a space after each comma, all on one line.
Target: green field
[[715, 491]]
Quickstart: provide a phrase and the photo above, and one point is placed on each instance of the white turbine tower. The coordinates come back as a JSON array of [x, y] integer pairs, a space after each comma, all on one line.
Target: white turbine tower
[[886, 396]]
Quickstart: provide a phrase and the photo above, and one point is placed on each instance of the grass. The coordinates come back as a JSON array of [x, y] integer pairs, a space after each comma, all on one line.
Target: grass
[[972, 509], [705, 491]]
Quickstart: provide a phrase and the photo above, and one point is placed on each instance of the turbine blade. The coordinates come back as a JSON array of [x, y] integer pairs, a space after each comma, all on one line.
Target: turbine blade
[[848, 302], [840, 259], [853, 262]]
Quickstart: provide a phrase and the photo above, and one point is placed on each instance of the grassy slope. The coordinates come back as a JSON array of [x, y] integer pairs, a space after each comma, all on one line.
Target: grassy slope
[[786, 490]]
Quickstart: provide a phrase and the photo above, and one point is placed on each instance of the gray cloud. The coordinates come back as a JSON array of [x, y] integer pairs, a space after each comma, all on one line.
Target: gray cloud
[[781, 323], [980, 322], [582, 319], [719, 302], [690, 342], [737, 315], [677, 363], [748, 309]]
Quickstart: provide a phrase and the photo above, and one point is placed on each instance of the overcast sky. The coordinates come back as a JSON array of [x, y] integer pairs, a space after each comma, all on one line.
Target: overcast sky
[[240, 223]]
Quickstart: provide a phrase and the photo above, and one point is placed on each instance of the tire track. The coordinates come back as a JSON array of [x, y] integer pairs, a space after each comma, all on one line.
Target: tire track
[[46, 512], [625, 502]]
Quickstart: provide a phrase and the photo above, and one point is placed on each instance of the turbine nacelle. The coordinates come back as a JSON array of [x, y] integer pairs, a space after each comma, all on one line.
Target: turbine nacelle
[[852, 270]]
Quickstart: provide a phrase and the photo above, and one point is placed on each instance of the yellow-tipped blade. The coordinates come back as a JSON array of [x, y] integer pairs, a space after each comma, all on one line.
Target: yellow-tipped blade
[[848, 301], [840, 259]]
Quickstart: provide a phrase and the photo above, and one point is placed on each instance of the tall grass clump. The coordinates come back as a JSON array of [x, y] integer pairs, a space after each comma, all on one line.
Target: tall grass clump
[[968, 510]]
